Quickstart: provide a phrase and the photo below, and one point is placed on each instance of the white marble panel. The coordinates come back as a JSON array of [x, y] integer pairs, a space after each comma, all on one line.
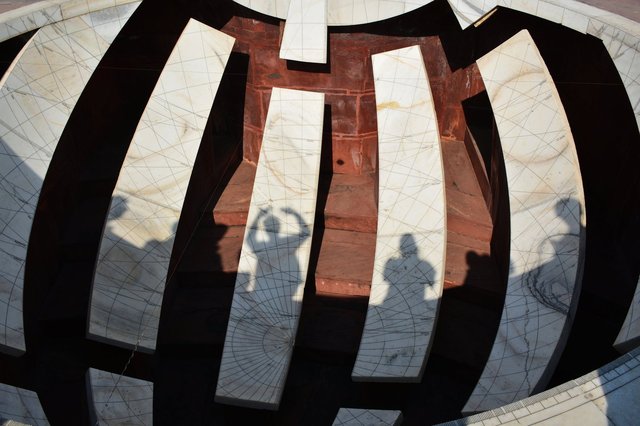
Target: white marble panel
[[305, 32], [469, 11], [20, 405], [120, 400], [547, 224], [364, 417], [408, 274], [620, 36], [36, 15], [146, 203], [36, 100], [342, 12], [630, 331], [275, 253]]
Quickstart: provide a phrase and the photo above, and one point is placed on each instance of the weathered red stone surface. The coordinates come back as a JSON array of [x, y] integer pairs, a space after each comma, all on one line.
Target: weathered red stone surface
[[233, 206], [350, 215], [345, 265], [351, 204], [347, 81]]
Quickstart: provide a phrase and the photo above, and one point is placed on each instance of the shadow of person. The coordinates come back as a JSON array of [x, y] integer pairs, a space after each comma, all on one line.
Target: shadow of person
[[544, 284], [400, 318], [275, 252], [554, 283], [265, 310]]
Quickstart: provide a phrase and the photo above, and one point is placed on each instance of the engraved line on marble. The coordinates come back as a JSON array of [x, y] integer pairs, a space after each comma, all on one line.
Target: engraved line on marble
[[36, 103], [405, 287], [146, 203], [275, 253], [547, 217]]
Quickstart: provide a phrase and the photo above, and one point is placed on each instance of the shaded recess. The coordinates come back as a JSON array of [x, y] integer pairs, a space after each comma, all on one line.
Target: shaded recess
[[184, 369]]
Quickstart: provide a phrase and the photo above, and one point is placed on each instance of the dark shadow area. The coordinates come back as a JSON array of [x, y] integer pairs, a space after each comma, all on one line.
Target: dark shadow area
[[479, 118], [73, 204], [10, 48], [431, 19], [198, 294]]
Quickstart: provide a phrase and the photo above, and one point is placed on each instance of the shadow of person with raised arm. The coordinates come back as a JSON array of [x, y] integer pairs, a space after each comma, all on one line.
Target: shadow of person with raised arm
[[266, 307], [400, 317], [276, 254]]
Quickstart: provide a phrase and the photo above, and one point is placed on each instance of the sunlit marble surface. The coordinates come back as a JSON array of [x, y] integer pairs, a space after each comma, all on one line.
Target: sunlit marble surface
[[20, 405], [408, 270], [364, 417], [630, 331], [37, 97], [621, 36], [120, 400], [547, 224], [275, 253], [36, 15], [342, 12], [606, 396], [305, 32], [145, 207]]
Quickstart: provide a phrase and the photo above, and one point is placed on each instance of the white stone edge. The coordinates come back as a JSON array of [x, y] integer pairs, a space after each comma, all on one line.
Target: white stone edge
[[560, 344], [607, 379], [54, 10], [263, 8], [362, 411], [380, 379]]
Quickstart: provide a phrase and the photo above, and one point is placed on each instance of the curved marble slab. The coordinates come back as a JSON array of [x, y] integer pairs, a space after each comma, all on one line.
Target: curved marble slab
[[36, 100], [305, 32], [620, 36], [145, 206], [547, 224], [364, 417], [408, 273], [120, 400], [33, 16], [275, 253], [630, 332], [20, 405], [342, 12], [606, 396]]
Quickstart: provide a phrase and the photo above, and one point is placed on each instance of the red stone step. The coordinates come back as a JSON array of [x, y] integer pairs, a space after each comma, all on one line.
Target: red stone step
[[351, 204], [467, 212], [233, 206], [345, 264]]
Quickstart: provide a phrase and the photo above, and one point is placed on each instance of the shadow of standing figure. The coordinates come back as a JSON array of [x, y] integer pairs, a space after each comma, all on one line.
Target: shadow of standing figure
[[400, 318], [265, 311], [276, 254]]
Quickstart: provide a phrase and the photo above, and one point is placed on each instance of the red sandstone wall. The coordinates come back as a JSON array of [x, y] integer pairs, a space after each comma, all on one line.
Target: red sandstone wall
[[348, 85]]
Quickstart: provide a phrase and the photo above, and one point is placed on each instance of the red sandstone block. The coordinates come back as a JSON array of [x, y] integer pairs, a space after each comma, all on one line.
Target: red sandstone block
[[351, 203], [370, 154], [467, 212], [267, 67], [344, 117], [349, 68], [347, 154], [345, 264], [251, 143], [433, 55], [367, 114], [233, 206], [253, 107]]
